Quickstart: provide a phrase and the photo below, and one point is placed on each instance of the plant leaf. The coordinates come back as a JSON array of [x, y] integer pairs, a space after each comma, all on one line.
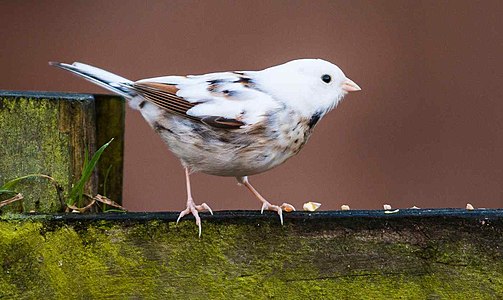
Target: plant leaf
[[10, 184], [13, 199], [87, 170], [105, 200], [6, 192]]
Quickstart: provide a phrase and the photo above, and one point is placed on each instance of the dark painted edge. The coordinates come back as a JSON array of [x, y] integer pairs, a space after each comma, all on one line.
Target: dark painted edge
[[482, 214], [50, 94], [45, 94]]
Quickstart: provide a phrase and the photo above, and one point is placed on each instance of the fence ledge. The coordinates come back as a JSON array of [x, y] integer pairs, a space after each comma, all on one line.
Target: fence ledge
[[444, 253]]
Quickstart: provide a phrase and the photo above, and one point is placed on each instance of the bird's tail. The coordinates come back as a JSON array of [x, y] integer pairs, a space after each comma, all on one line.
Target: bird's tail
[[110, 81]]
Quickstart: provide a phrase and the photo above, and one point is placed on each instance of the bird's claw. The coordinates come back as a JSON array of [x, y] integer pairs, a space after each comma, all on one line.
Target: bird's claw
[[194, 209], [279, 209], [204, 207]]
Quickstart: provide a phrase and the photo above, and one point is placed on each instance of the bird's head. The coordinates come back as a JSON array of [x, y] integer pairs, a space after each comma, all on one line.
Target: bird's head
[[307, 85]]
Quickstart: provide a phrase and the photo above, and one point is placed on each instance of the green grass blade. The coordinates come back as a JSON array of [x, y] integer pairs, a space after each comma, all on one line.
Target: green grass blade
[[10, 184], [78, 189]]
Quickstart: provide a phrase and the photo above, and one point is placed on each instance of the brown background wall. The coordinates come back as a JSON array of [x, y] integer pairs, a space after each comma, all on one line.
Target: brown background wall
[[426, 130]]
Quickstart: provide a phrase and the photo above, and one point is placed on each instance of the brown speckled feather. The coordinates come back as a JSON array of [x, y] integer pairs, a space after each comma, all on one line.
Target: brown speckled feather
[[164, 96]]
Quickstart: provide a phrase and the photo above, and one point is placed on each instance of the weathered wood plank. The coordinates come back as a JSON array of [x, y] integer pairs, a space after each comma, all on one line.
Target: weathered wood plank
[[413, 254], [48, 133], [110, 123]]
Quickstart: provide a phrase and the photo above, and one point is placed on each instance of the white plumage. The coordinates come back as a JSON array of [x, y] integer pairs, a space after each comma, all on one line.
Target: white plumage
[[232, 123]]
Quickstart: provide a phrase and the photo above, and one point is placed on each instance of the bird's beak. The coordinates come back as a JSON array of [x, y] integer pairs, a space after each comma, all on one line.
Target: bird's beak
[[350, 86]]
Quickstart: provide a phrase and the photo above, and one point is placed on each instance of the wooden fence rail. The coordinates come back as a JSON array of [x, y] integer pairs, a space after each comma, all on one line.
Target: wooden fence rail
[[412, 254]]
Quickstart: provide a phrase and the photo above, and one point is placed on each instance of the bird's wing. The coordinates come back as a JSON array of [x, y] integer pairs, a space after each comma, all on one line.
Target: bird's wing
[[223, 100]]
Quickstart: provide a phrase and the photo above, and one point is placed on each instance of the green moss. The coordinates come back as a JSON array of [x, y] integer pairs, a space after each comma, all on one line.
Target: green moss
[[48, 133], [238, 260], [34, 145]]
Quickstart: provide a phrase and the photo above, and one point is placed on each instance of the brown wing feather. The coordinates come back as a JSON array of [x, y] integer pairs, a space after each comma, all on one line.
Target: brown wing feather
[[164, 96], [161, 86], [221, 122]]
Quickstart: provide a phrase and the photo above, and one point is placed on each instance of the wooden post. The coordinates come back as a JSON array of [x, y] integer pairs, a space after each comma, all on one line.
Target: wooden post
[[48, 133], [410, 254]]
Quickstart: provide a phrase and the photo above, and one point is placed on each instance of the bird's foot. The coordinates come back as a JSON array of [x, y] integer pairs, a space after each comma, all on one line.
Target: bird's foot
[[194, 209], [279, 209]]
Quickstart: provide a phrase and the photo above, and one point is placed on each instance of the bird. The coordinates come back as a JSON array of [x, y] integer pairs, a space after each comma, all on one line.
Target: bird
[[232, 123]]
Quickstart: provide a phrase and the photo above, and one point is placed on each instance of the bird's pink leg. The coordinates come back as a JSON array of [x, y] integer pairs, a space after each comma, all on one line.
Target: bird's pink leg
[[191, 206], [265, 204]]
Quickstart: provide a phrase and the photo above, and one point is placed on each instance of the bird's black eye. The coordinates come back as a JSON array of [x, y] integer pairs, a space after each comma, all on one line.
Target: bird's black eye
[[326, 78]]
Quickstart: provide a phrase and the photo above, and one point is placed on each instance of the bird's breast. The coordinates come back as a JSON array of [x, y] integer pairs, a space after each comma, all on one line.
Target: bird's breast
[[246, 151]]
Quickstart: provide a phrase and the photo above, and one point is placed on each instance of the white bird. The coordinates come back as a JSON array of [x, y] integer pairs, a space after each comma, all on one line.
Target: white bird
[[232, 123]]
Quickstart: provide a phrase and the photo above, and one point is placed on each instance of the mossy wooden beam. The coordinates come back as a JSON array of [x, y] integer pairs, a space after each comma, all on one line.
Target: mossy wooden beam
[[48, 133], [412, 254]]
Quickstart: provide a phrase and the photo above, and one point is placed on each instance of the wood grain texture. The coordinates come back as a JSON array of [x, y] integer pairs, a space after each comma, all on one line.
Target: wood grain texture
[[48, 133], [110, 122], [412, 254]]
